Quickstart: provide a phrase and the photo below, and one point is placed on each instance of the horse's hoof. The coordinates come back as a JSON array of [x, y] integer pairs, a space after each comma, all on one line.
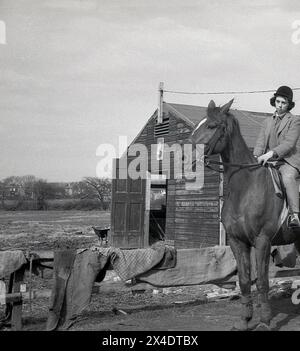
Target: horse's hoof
[[240, 326], [262, 327]]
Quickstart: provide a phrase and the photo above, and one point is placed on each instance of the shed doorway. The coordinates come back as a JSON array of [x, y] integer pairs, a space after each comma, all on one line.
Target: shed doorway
[[158, 208]]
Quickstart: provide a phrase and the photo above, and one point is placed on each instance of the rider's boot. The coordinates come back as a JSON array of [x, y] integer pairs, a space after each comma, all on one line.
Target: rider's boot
[[294, 221]]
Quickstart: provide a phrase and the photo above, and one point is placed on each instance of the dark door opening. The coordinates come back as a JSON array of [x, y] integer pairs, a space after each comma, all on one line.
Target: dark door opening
[[158, 202]]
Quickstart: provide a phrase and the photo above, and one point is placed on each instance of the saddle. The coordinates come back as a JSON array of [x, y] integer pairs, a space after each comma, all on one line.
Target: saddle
[[273, 167]]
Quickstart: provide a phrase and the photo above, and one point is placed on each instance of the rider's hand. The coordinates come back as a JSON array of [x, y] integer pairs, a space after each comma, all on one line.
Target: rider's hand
[[265, 157]]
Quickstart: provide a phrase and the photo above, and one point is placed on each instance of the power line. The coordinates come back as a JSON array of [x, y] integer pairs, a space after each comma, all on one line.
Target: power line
[[223, 92]]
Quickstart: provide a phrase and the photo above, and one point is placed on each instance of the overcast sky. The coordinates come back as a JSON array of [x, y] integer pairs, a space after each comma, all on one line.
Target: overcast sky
[[78, 74]]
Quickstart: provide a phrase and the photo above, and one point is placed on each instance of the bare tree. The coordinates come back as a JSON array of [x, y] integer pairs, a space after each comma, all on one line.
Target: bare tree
[[82, 190], [26, 188], [11, 188], [28, 184], [99, 188], [41, 192], [3, 193]]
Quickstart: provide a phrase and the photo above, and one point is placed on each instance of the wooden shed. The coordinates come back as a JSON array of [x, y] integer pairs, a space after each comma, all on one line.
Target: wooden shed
[[162, 207]]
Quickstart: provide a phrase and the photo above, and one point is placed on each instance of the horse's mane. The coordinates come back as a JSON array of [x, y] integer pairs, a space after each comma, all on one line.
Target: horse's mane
[[233, 124]]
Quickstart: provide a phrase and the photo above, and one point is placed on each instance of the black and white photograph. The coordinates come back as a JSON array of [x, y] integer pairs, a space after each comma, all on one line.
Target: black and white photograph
[[149, 169]]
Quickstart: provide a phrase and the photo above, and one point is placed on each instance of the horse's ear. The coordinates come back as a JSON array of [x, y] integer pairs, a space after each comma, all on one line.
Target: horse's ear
[[226, 107], [211, 105]]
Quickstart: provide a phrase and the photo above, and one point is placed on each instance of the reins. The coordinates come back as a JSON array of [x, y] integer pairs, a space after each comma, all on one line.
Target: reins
[[207, 163], [211, 145]]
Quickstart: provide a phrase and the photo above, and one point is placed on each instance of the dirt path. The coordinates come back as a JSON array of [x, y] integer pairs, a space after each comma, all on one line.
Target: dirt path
[[214, 316], [181, 308], [207, 317]]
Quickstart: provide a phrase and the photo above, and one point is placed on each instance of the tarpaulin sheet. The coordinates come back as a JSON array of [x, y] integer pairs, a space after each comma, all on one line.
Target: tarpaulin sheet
[[130, 263], [212, 265], [11, 261], [70, 296], [74, 277], [285, 255], [194, 266]]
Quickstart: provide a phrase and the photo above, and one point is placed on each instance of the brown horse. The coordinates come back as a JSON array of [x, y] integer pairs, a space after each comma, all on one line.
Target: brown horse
[[251, 209]]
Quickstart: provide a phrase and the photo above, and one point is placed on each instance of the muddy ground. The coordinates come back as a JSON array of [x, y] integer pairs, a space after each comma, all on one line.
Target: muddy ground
[[47, 230], [180, 308]]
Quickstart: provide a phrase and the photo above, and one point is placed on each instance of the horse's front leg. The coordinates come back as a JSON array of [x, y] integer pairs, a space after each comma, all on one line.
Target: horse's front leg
[[241, 252], [262, 252]]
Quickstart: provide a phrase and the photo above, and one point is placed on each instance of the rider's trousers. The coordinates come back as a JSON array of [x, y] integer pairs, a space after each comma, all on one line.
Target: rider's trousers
[[289, 175]]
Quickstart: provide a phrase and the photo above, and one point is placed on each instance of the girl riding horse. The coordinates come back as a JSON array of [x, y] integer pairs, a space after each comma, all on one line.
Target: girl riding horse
[[251, 208]]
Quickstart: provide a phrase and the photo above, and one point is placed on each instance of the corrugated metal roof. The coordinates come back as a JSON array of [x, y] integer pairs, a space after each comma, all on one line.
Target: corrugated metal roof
[[250, 122]]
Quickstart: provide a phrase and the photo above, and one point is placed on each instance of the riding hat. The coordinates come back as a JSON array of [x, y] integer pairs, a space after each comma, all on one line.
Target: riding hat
[[286, 92]]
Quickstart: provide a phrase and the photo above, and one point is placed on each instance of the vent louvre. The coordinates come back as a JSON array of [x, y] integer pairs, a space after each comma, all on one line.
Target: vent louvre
[[162, 128]]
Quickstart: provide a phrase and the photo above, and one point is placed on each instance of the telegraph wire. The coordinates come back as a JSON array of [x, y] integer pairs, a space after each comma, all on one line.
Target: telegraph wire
[[223, 92]]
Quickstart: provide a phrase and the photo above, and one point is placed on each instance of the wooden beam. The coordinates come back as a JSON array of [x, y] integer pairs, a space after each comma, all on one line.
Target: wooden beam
[[24, 296], [147, 210], [43, 255], [160, 102], [13, 297]]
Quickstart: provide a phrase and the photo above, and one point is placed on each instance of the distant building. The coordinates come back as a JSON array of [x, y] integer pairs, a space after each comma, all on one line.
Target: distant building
[[13, 191], [69, 189]]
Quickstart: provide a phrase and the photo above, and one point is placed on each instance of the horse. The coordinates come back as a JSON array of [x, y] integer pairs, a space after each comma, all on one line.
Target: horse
[[250, 210]]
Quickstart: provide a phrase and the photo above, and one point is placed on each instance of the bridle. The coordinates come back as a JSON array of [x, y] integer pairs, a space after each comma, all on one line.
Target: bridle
[[218, 134]]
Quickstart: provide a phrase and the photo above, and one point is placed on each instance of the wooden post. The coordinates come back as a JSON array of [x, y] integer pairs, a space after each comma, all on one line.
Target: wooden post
[[8, 308], [147, 210], [160, 102], [16, 316]]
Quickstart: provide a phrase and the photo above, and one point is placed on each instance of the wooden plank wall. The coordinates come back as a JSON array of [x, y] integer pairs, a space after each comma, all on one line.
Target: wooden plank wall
[[192, 215], [197, 214]]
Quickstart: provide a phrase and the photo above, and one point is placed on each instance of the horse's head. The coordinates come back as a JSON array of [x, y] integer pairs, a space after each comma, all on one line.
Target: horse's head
[[212, 130]]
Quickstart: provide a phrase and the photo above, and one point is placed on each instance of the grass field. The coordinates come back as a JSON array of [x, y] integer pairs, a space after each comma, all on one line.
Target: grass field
[[44, 230]]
